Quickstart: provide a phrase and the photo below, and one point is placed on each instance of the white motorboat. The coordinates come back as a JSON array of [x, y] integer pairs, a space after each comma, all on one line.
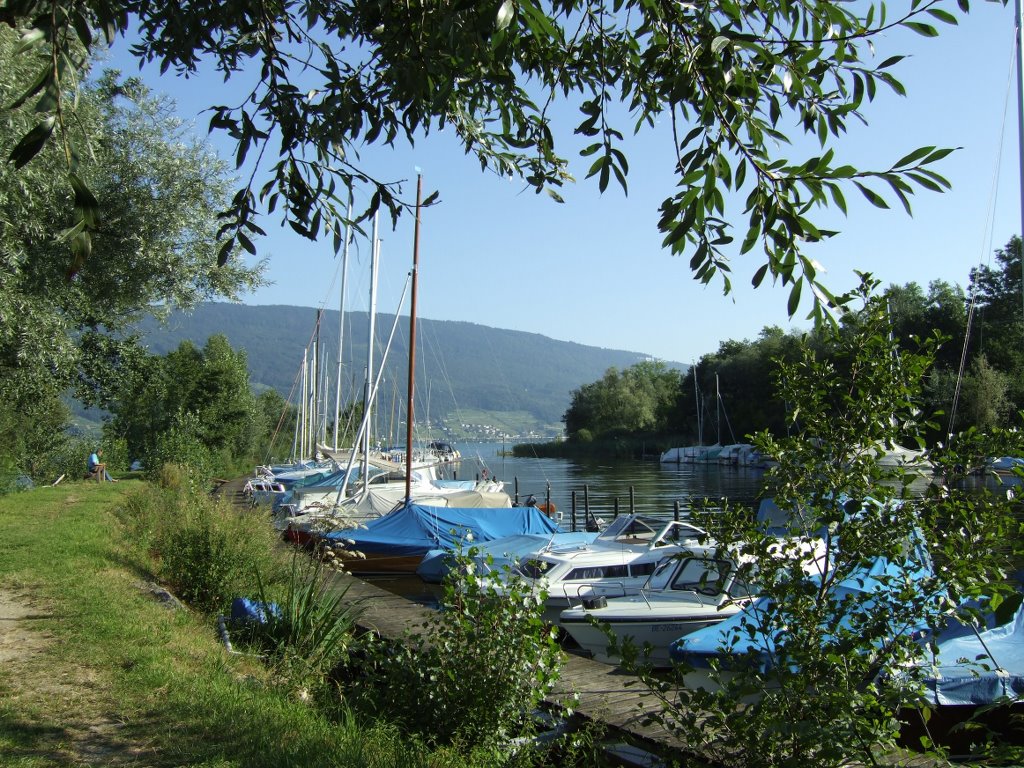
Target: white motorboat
[[681, 596], [617, 562]]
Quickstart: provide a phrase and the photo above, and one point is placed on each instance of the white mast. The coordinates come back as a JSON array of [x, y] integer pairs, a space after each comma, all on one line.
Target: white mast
[[303, 406], [374, 260], [341, 321], [1020, 125]]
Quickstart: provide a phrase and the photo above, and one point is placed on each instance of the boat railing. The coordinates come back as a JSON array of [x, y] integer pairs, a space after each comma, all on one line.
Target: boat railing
[[604, 588]]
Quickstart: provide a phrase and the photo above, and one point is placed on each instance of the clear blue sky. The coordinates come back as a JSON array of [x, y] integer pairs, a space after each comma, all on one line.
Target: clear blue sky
[[592, 270]]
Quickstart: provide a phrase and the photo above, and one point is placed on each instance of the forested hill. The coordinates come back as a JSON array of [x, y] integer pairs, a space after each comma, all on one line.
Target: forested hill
[[521, 381]]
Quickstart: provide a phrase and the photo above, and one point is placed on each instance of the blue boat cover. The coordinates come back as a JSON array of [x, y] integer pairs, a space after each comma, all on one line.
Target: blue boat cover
[[415, 529], [698, 648], [244, 610], [503, 551], [979, 668]]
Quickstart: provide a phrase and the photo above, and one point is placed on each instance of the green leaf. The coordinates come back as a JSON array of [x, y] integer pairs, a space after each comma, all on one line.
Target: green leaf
[[926, 30], [224, 252], [890, 61], [32, 142], [719, 43], [246, 243], [505, 15], [913, 157], [30, 39], [759, 275], [873, 197], [794, 297], [86, 203], [944, 16]]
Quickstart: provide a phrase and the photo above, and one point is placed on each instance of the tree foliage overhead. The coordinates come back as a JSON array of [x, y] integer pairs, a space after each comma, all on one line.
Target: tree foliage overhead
[[729, 77]]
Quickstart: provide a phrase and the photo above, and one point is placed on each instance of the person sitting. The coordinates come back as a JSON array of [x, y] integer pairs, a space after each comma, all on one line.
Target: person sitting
[[98, 469]]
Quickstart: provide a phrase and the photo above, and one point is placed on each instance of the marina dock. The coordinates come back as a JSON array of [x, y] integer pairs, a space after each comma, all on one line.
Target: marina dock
[[597, 692], [606, 695]]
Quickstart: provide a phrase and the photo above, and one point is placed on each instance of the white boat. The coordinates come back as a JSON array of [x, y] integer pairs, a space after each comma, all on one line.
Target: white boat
[[617, 562], [681, 596]]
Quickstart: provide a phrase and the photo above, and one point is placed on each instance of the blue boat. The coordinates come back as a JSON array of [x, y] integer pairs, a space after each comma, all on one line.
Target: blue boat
[[975, 667], [730, 638], [398, 542]]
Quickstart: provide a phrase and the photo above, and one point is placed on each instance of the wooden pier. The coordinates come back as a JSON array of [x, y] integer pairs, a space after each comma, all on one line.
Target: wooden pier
[[596, 692]]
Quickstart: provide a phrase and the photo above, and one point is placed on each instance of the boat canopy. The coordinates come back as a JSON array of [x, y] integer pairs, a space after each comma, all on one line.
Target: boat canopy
[[415, 529], [979, 667]]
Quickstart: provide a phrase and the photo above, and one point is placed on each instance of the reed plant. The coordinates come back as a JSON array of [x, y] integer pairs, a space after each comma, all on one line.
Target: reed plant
[[307, 632]]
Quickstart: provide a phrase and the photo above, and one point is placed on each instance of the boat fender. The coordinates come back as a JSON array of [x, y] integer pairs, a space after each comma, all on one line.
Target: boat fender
[[595, 603]]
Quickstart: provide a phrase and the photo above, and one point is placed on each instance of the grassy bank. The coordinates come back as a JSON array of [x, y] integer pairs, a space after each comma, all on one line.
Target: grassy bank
[[97, 671]]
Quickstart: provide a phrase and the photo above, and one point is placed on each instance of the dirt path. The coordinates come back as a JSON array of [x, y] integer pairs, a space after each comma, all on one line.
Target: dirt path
[[58, 710]]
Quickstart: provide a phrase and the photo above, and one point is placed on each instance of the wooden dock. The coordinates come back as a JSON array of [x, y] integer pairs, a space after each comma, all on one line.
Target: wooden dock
[[597, 692]]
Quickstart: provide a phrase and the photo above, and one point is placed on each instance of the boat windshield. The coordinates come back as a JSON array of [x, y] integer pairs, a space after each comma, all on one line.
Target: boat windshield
[[534, 567], [705, 577], [632, 529]]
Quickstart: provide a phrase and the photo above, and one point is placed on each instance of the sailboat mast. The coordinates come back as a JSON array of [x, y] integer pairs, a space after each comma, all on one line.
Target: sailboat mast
[[700, 415], [341, 321], [1019, 22], [718, 411], [374, 259], [314, 422], [412, 343]]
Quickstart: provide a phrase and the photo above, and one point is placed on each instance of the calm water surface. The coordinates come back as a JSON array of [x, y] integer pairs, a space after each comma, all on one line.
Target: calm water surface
[[655, 487]]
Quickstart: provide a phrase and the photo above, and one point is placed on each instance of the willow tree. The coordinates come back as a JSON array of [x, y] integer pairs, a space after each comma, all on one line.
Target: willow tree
[[324, 79], [64, 324]]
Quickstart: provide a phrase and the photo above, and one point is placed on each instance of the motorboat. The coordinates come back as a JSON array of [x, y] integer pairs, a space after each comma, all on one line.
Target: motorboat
[[683, 594], [617, 562]]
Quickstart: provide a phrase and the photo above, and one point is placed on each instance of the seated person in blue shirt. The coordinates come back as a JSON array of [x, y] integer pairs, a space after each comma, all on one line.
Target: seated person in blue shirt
[[97, 469]]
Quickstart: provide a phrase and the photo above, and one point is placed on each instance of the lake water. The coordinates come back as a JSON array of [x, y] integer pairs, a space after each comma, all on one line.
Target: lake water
[[655, 487]]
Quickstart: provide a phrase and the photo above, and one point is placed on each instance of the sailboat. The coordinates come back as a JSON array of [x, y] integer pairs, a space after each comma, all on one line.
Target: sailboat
[[700, 453], [371, 485]]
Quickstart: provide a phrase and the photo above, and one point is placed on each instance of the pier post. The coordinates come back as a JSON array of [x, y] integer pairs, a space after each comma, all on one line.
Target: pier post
[[632, 501], [616, 507], [675, 516], [572, 517]]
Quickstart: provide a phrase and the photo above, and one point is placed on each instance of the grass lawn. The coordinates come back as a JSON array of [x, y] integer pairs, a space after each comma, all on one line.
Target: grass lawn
[[95, 671]]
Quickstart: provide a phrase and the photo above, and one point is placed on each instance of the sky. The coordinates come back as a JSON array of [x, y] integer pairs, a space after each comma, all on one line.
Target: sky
[[592, 270]]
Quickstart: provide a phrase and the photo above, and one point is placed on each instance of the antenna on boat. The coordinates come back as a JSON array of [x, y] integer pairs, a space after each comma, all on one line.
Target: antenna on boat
[[412, 342]]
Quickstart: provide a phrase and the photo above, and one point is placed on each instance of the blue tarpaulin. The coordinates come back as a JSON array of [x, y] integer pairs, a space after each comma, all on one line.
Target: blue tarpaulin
[[415, 529], [979, 667], [725, 638]]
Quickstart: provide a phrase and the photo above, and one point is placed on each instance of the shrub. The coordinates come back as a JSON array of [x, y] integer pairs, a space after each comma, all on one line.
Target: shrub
[[181, 445], [478, 669], [311, 631], [206, 552]]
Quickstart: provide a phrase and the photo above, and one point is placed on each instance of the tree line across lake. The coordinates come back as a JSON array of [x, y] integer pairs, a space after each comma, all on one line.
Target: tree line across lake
[[976, 378]]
